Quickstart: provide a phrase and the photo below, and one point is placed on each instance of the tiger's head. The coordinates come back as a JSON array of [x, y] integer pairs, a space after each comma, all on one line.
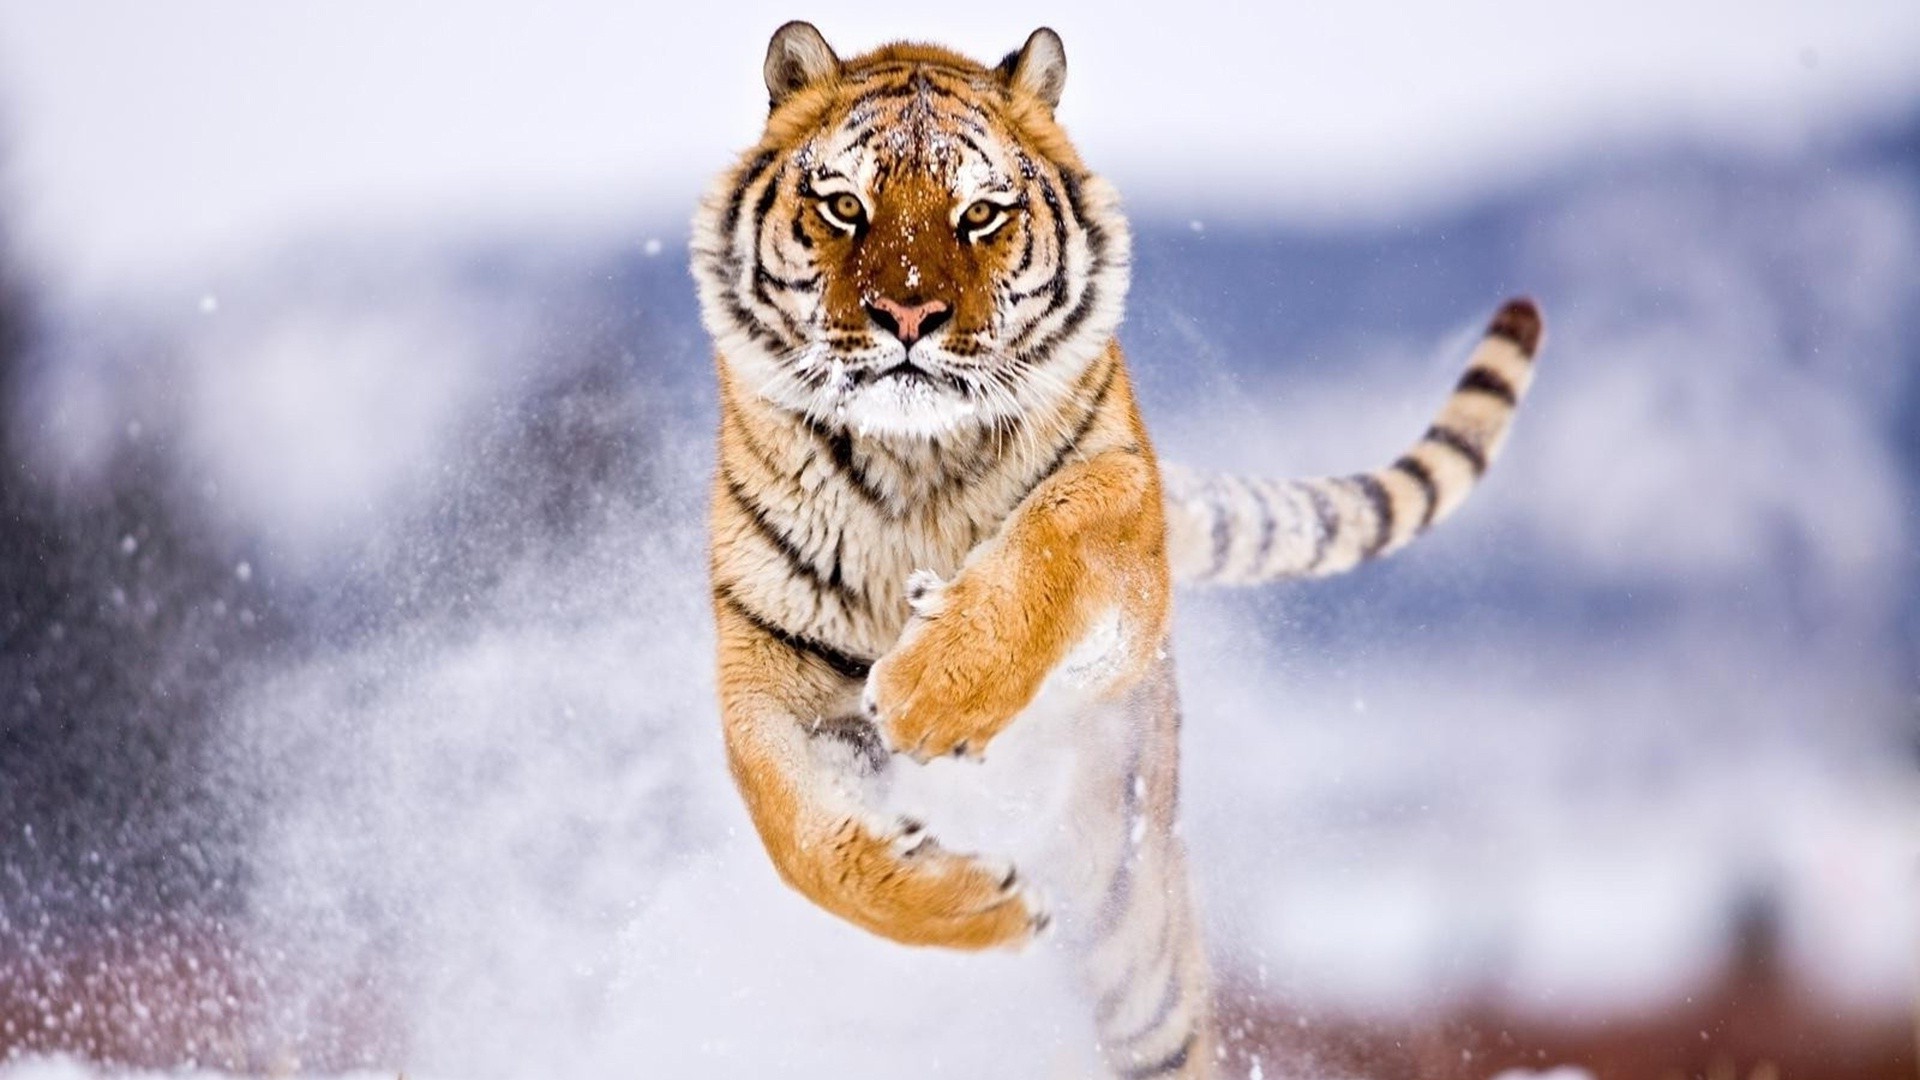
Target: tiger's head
[[914, 246]]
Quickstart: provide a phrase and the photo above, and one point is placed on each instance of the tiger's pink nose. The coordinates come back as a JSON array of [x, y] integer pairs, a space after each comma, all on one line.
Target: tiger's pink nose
[[908, 322]]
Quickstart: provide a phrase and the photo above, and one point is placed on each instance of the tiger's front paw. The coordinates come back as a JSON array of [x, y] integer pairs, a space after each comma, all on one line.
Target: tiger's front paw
[[953, 681]]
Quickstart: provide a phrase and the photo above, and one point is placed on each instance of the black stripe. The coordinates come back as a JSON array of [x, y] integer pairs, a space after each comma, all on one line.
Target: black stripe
[[1116, 995], [913, 87], [1376, 493], [760, 207], [891, 92], [904, 67], [1328, 515], [1079, 432], [1421, 475], [846, 664], [1169, 998], [973, 118], [1088, 295], [968, 141], [761, 276], [731, 219], [839, 447], [1518, 321], [728, 268], [1119, 894], [759, 453], [1056, 284], [1096, 236], [1173, 1062], [1460, 444], [1097, 252], [1485, 380], [803, 285], [1071, 324], [1269, 526], [1221, 533], [1119, 890], [1099, 404], [1026, 256], [777, 537], [760, 332]]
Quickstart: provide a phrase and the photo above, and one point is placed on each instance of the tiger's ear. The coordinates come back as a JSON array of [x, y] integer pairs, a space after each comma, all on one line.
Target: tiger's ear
[[1039, 68], [796, 56]]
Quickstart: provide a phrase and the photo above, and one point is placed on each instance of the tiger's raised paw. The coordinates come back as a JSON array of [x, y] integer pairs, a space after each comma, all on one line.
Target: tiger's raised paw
[[953, 681]]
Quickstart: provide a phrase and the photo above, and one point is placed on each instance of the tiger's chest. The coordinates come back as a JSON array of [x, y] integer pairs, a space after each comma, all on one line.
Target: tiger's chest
[[819, 533]]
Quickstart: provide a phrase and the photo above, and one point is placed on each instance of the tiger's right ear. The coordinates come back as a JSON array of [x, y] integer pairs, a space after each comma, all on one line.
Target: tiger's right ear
[[796, 56]]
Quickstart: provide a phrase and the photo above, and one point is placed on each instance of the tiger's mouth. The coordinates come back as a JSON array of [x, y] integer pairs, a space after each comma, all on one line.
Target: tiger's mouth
[[906, 372], [905, 368]]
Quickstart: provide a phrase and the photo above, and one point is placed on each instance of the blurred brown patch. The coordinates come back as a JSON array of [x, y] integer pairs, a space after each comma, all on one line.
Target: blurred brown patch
[[172, 995], [1754, 1023]]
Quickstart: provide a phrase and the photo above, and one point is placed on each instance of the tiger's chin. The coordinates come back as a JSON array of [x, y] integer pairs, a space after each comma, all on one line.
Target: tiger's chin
[[906, 406]]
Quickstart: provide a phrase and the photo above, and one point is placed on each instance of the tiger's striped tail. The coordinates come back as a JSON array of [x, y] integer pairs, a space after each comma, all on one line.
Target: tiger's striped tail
[[1239, 531]]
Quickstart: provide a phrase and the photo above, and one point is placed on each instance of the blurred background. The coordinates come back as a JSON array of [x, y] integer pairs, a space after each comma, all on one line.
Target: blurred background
[[356, 708]]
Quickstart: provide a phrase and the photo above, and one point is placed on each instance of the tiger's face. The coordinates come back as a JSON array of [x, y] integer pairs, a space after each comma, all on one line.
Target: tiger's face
[[914, 246]]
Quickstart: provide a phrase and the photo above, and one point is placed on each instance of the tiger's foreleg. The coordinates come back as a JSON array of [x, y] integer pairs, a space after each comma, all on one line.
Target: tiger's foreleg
[[1087, 545], [799, 769]]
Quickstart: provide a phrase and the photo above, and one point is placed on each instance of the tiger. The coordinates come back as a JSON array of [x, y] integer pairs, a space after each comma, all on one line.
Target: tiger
[[938, 525]]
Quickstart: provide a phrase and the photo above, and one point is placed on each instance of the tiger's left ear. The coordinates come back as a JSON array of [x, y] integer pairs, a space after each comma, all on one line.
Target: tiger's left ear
[[1039, 68]]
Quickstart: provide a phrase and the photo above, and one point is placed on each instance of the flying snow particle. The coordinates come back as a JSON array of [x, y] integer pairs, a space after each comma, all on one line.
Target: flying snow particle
[[129, 545], [651, 247], [244, 571], [209, 304]]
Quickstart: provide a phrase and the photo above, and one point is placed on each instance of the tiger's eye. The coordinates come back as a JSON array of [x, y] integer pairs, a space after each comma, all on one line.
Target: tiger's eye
[[847, 208], [979, 213]]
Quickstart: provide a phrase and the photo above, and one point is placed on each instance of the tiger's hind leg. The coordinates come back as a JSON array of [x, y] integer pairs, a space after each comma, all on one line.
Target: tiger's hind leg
[[1138, 941]]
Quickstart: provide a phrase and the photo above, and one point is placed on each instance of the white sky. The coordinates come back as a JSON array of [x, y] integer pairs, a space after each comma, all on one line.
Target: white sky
[[150, 137]]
